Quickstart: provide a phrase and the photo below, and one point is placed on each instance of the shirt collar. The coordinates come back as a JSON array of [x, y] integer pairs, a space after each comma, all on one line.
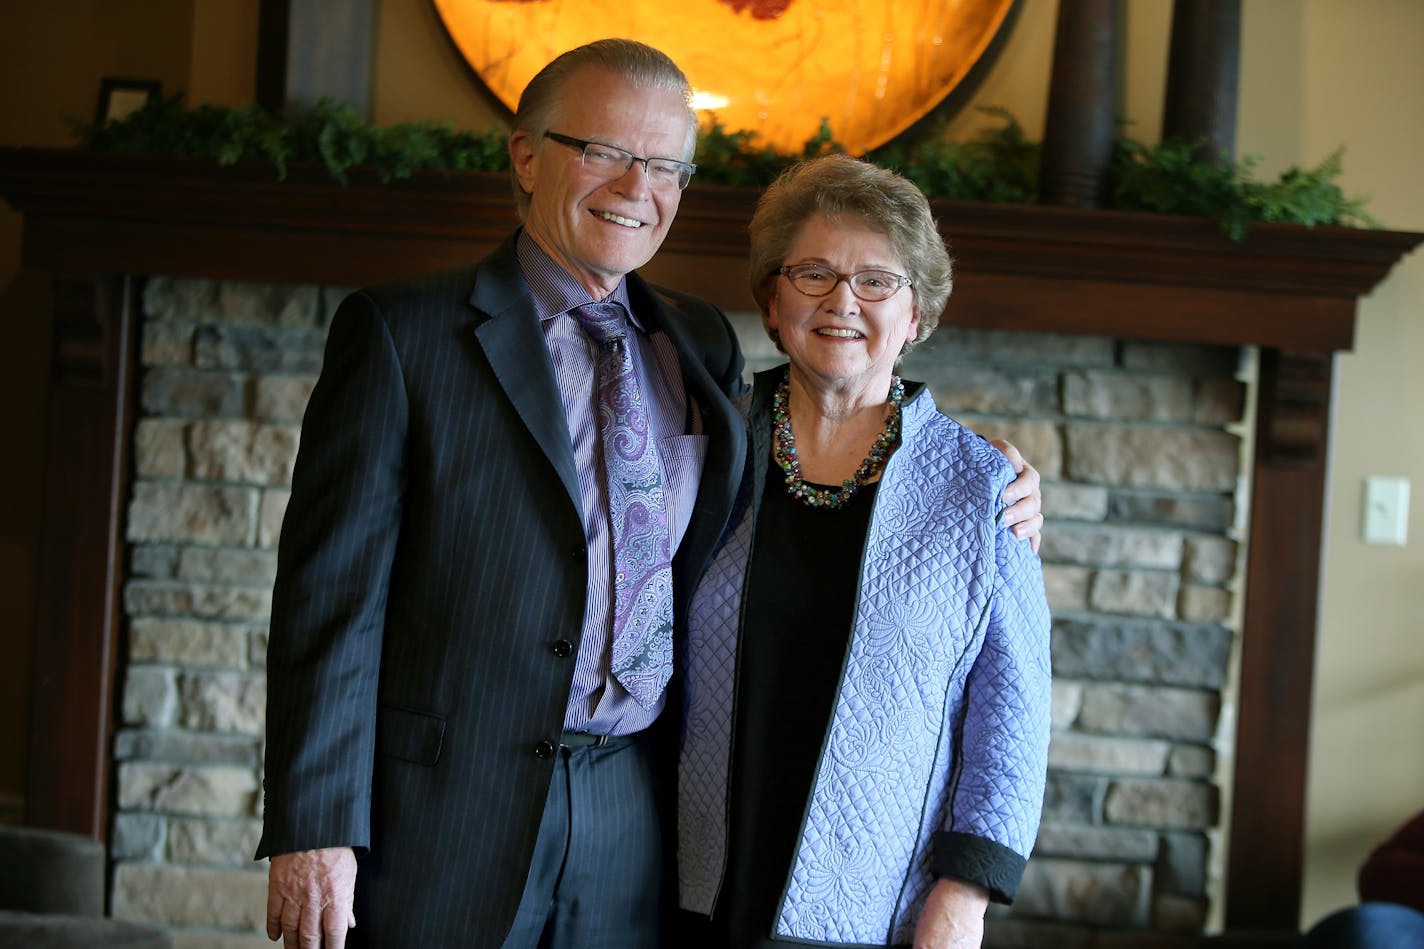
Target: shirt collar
[[555, 290]]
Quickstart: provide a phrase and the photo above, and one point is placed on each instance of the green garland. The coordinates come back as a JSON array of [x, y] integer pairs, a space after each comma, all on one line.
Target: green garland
[[999, 165], [328, 134]]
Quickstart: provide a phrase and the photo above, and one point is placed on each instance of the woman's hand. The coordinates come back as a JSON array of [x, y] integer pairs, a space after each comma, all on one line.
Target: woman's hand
[[953, 917], [1023, 497]]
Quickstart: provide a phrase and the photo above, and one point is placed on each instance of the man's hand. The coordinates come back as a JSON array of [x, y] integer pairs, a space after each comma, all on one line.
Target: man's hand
[[309, 895], [1023, 497], [953, 917]]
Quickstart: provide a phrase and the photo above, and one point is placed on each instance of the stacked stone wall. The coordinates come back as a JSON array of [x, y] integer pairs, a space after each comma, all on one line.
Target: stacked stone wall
[[227, 369], [1140, 469]]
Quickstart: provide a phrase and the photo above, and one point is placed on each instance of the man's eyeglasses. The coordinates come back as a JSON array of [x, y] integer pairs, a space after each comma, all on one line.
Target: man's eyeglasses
[[663, 173], [816, 280]]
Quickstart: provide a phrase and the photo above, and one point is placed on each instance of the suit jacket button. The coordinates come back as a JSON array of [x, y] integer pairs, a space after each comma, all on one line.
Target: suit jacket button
[[579, 554], [563, 648], [545, 749]]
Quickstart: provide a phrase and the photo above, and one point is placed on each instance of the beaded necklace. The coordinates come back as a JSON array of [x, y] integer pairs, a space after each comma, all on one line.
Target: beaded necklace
[[784, 441]]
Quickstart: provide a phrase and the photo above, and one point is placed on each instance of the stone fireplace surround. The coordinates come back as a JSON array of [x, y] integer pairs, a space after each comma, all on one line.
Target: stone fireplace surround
[[1106, 344]]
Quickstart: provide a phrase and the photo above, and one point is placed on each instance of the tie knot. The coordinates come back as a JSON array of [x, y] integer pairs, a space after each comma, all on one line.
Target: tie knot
[[604, 322]]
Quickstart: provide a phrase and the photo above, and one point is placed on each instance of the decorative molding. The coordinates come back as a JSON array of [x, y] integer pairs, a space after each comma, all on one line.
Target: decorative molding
[[1295, 407], [79, 333]]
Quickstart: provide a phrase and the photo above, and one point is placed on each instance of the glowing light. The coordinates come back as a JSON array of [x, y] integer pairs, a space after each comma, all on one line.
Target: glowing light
[[704, 101], [777, 77]]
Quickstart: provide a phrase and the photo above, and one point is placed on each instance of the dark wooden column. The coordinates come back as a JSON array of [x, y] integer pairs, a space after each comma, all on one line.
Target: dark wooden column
[[1082, 101], [77, 614], [1203, 70], [1266, 859]]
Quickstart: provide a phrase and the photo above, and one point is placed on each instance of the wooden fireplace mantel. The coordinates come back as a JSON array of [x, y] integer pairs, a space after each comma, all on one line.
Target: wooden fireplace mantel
[[99, 223], [1019, 267]]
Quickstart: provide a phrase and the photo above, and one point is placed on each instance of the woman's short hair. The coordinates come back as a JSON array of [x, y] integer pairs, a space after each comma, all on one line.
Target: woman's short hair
[[841, 188], [638, 63]]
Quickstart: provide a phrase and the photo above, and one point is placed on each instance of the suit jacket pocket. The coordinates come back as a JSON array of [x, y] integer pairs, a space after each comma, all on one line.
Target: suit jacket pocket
[[410, 734]]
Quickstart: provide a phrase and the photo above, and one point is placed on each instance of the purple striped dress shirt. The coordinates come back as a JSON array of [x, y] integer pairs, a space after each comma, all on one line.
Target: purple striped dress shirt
[[597, 703]]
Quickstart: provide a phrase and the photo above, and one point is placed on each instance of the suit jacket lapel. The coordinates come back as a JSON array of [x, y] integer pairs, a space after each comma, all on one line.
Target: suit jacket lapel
[[509, 333]]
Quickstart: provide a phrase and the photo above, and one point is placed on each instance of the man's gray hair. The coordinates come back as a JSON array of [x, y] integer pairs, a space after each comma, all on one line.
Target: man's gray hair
[[638, 63]]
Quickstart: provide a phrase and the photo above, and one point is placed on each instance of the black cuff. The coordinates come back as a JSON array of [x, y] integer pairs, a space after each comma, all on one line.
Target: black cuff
[[978, 860]]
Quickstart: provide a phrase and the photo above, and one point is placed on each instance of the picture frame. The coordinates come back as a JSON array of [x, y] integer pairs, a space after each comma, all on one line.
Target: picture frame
[[118, 97]]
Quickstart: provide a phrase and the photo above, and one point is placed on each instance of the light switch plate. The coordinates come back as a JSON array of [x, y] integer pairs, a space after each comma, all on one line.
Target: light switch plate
[[1386, 513]]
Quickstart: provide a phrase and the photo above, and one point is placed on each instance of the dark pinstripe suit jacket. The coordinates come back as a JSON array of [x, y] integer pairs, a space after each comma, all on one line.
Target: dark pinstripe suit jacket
[[431, 555]]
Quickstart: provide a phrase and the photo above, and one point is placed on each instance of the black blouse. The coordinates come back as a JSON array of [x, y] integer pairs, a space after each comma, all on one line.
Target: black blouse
[[801, 592]]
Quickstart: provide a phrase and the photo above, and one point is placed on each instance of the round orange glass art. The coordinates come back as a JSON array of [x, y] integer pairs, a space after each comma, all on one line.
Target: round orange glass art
[[773, 67]]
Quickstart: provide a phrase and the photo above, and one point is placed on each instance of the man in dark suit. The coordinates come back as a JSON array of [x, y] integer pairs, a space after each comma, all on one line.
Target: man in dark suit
[[445, 699]]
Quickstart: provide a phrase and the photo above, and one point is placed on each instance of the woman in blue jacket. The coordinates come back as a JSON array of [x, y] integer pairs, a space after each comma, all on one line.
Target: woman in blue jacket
[[867, 683]]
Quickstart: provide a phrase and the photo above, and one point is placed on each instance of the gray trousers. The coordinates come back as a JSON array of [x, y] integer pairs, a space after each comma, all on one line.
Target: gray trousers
[[596, 881]]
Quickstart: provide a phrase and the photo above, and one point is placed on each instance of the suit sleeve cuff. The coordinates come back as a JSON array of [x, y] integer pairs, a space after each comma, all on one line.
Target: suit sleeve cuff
[[978, 860]]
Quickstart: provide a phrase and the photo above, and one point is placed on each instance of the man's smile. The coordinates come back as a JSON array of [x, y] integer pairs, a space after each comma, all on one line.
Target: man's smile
[[617, 219]]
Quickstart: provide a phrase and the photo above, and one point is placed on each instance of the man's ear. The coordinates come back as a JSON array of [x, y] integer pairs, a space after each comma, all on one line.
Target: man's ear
[[524, 156]]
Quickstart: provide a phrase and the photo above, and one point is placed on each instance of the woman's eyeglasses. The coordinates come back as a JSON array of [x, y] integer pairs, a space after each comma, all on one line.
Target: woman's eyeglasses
[[817, 280]]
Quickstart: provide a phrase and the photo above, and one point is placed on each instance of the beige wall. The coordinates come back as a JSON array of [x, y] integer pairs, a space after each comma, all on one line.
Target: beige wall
[[420, 75], [1316, 74]]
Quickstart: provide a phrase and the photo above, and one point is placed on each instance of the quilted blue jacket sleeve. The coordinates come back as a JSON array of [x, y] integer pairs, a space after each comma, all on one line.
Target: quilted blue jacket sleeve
[[998, 792]]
